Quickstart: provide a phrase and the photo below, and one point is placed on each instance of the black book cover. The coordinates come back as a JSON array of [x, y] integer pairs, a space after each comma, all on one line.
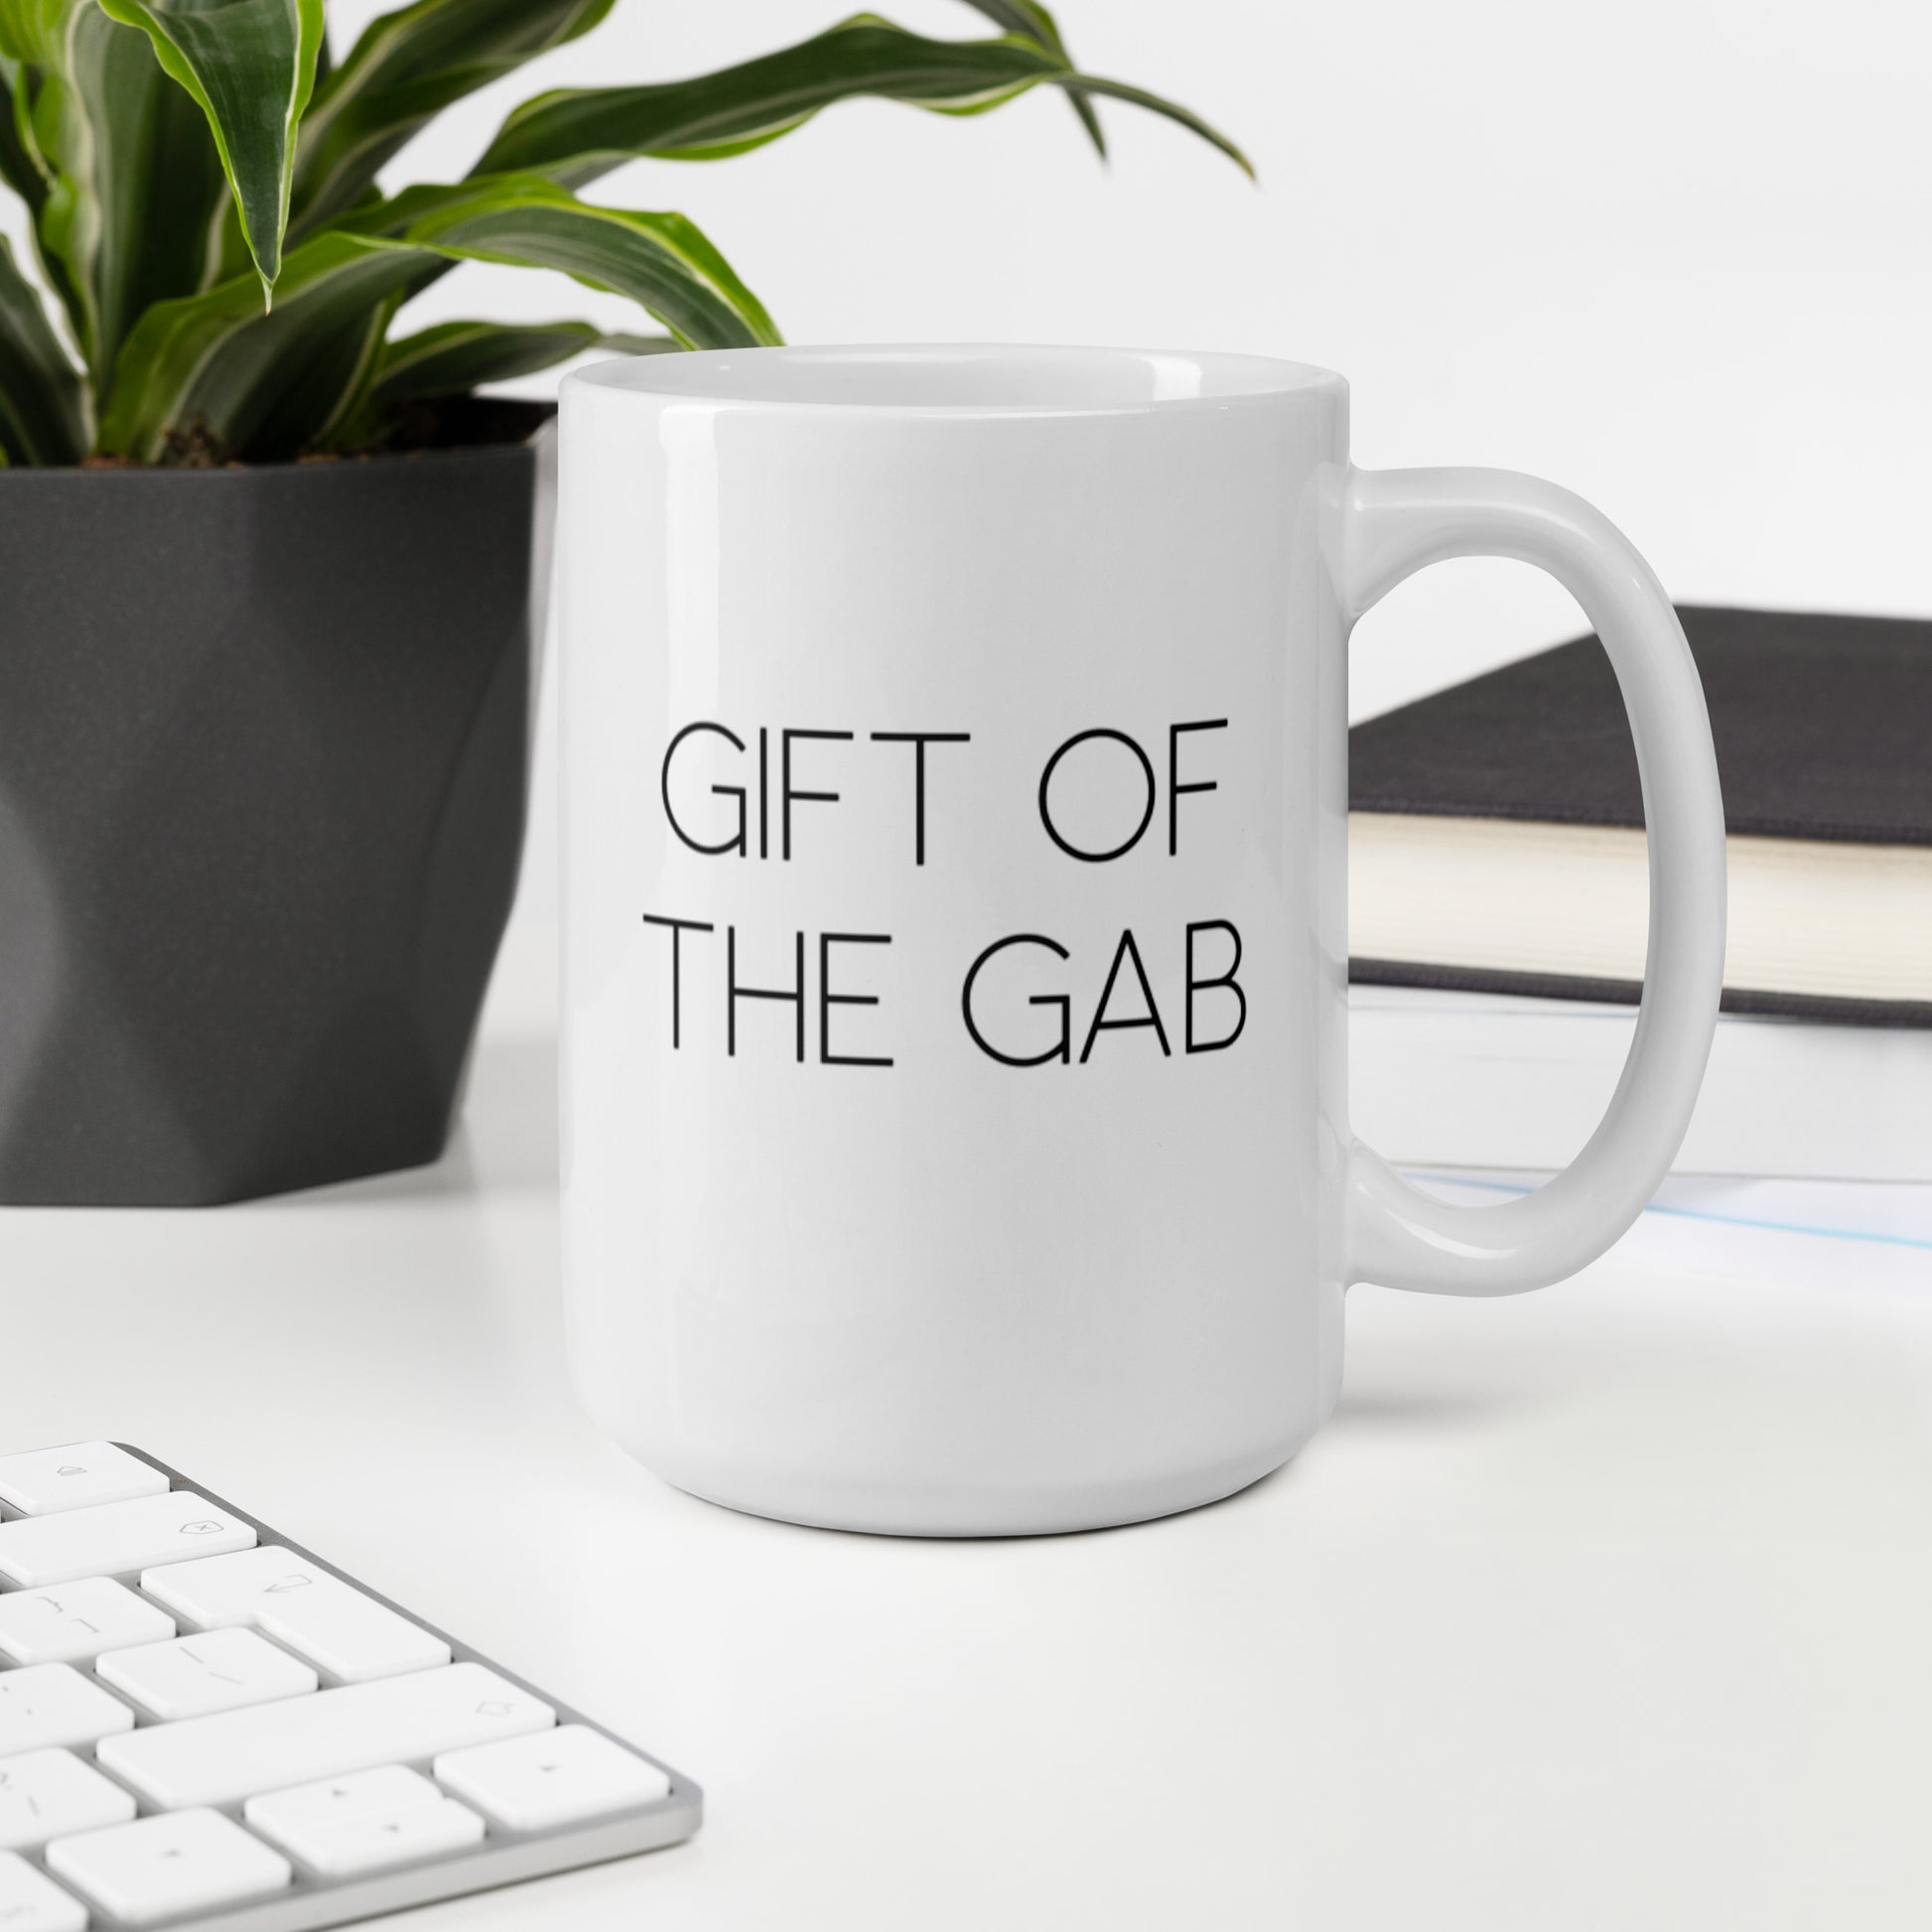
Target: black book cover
[[1823, 726]]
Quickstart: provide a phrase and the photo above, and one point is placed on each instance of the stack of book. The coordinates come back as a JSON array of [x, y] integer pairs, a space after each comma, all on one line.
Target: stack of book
[[1498, 916]]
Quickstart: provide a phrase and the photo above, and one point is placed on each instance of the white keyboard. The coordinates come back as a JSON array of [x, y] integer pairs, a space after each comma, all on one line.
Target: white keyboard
[[202, 1724]]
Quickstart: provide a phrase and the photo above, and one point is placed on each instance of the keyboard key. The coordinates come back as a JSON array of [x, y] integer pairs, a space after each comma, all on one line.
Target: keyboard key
[[557, 1777], [377, 1839], [30, 1902], [200, 1726], [389, 1788], [352, 1637], [51, 1794], [219, 1760], [218, 1670], [51, 1704], [117, 1538], [161, 1868], [79, 1477], [73, 1623]]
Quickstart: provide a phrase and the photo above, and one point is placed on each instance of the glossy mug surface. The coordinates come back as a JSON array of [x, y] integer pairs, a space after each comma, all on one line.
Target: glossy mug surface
[[955, 1087]]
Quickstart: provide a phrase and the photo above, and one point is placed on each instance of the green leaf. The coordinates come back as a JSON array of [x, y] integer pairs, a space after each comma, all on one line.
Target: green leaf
[[251, 66], [135, 179], [1168, 110], [29, 172], [19, 166], [31, 30], [455, 358], [406, 68], [213, 369], [217, 368], [576, 134], [43, 410], [1037, 24], [661, 261]]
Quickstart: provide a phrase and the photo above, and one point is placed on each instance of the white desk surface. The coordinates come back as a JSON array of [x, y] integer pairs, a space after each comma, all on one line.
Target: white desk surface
[[1610, 1606]]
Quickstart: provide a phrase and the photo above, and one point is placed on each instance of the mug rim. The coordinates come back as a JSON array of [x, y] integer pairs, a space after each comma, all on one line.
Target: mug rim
[[806, 378]]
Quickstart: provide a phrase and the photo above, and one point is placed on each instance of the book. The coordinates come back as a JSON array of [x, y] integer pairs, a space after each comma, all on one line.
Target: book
[[1498, 906], [1496, 829], [1441, 1079]]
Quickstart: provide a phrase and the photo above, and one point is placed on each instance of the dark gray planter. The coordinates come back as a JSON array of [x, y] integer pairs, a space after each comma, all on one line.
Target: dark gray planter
[[263, 740]]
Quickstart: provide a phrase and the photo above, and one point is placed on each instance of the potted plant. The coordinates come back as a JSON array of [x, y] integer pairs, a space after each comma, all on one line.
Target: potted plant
[[266, 564]]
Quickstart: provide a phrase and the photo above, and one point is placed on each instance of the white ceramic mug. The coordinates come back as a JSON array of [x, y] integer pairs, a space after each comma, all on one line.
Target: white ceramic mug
[[955, 1098]]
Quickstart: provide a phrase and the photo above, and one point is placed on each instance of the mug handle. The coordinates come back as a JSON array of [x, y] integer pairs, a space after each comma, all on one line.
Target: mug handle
[[1394, 523]]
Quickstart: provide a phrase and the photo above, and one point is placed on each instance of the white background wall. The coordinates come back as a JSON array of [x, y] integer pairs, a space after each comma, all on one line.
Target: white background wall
[[1676, 254]]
